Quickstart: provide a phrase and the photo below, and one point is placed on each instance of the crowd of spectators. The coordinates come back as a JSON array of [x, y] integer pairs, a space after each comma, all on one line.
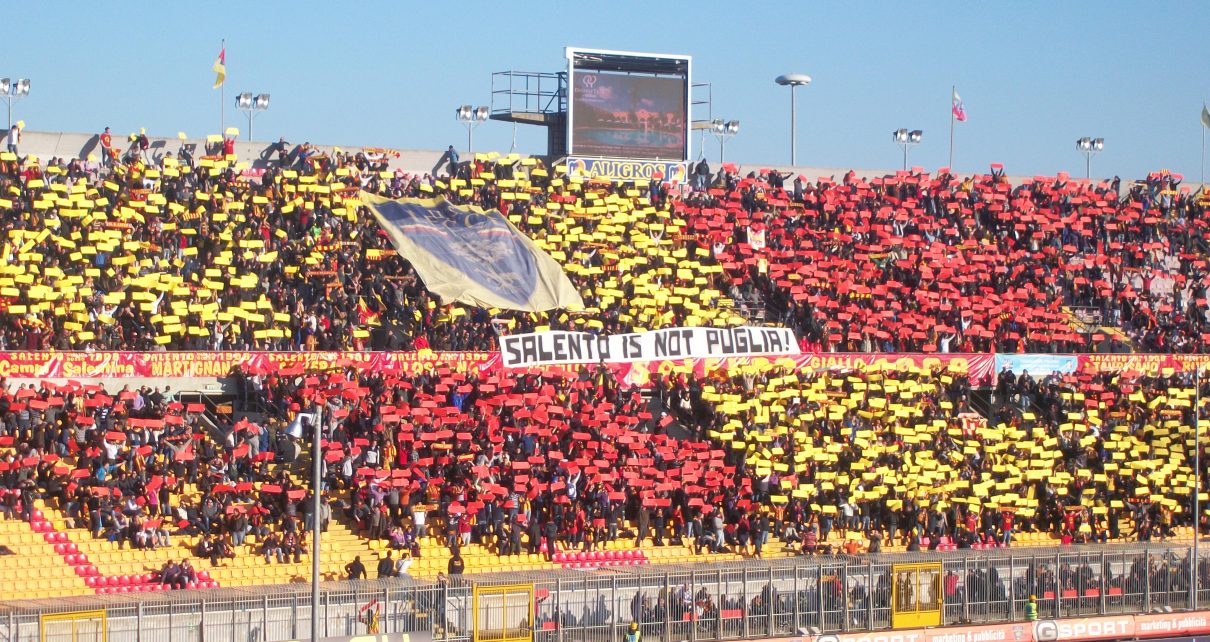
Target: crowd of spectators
[[832, 461], [919, 263], [829, 461], [176, 253], [169, 252], [165, 252], [138, 468]]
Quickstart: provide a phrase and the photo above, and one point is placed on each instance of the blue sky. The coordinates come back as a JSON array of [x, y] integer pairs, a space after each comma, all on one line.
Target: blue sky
[[1034, 75]]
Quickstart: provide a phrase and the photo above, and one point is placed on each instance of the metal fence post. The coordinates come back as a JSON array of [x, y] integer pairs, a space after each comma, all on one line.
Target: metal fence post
[[327, 618], [1011, 592], [1146, 581], [771, 606], [138, 623], [819, 596], [844, 597], [797, 614], [614, 610], [445, 594], [718, 621], [1058, 586], [1103, 588], [869, 596], [264, 619], [667, 629], [692, 606], [294, 617], [744, 603], [558, 609], [966, 593], [201, 629], [386, 611]]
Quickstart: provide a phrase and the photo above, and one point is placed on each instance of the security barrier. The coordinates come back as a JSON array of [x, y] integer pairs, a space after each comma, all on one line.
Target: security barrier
[[799, 597], [916, 595], [503, 613], [77, 626]]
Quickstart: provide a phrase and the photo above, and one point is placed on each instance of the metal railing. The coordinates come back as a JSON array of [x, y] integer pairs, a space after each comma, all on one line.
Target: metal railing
[[529, 91], [706, 601], [262, 614]]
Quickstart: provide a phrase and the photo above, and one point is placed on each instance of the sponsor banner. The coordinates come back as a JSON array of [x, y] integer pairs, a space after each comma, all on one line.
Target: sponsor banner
[[1038, 364], [1143, 363], [94, 365], [1153, 627], [978, 366], [389, 637], [633, 362], [1122, 627], [561, 348], [1019, 632], [625, 170]]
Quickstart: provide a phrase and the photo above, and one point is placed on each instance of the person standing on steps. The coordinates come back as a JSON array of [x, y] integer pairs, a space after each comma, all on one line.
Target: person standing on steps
[[386, 566], [355, 569], [457, 564]]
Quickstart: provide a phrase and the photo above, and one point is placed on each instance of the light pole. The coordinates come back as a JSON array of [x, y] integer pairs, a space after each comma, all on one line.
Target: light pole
[[907, 139], [793, 81], [472, 117], [1089, 147], [252, 106], [723, 130], [1194, 576], [13, 91]]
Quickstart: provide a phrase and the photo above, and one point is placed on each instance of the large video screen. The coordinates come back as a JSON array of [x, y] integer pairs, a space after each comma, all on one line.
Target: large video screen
[[628, 116]]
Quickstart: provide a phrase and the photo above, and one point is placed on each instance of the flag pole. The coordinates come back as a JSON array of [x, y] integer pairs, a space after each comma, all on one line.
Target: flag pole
[[222, 93], [953, 89]]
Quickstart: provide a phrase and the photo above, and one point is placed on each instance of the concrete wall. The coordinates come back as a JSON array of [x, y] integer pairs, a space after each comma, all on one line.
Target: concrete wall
[[46, 145], [213, 386]]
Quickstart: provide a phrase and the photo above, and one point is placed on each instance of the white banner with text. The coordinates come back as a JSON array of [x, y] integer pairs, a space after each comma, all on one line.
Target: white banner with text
[[558, 347]]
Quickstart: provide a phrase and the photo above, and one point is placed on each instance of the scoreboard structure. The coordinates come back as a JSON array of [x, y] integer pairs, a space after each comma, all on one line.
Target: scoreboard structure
[[619, 115], [628, 105]]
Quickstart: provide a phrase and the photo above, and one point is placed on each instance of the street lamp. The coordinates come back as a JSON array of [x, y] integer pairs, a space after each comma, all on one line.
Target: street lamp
[[723, 130], [1089, 147], [472, 117], [251, 105], [793, 81], [13, 91], [907, 139], [1194, 574]]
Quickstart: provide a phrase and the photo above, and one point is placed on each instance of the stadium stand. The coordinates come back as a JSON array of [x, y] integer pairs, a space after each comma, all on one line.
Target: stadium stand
[[913, 263], [173, 256], [205, 257], [526, 471], [111, 490]]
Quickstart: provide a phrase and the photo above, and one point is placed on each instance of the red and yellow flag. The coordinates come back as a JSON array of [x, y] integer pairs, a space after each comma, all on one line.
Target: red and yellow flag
[[220, 67]]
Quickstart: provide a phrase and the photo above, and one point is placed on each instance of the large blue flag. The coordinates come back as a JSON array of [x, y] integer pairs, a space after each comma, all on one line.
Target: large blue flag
[[473, 256]]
